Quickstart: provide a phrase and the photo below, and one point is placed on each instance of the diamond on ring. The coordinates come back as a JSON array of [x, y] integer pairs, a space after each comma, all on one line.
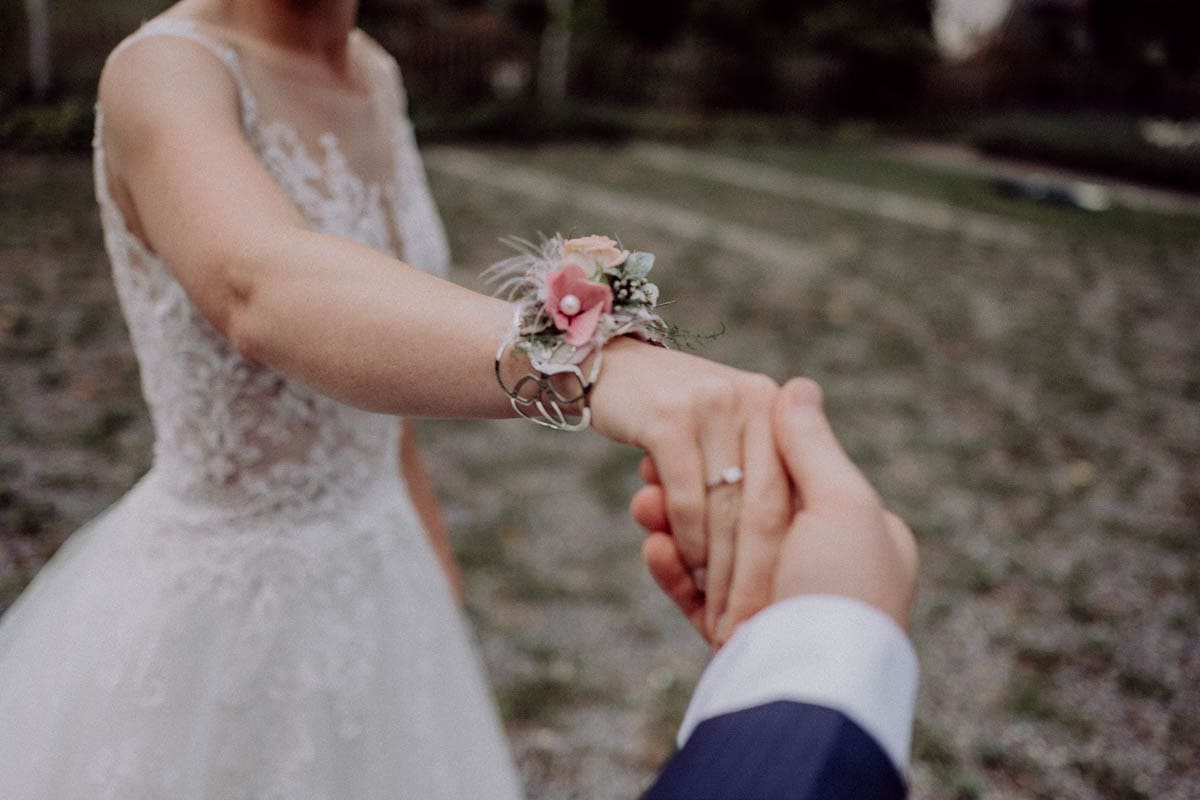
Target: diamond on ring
[[730, 476]]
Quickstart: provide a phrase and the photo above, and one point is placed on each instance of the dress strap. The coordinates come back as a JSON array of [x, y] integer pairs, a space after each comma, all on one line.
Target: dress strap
[[419, 227], [381, 68], [187, 29]]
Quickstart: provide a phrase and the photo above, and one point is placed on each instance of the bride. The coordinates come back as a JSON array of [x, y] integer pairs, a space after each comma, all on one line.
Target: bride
[[264, 615]]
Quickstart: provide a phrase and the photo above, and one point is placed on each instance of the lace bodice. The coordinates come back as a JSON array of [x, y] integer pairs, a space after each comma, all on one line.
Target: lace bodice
[[234, 439]]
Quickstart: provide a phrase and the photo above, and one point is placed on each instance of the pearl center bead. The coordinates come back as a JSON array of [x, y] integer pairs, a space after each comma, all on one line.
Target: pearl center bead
[[570, 305]]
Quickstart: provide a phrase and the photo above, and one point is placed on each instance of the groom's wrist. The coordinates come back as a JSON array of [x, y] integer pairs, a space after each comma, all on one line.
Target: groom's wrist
[[823, 650]]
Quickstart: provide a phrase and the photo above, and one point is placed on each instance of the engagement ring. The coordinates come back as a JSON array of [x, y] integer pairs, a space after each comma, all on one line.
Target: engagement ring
[[730, 476]]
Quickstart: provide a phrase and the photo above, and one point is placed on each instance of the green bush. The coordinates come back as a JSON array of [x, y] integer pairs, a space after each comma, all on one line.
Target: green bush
[[63, 126], [1111, 145], [521, 121]]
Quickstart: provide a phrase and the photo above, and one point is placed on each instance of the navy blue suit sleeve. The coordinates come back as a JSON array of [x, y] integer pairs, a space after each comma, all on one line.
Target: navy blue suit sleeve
[[779, 751]]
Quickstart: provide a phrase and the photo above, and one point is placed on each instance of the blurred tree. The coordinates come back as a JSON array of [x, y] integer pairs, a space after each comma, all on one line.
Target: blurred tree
[[882, 48], [1130, 33], [879, 47], [1150, 50], [739, 22], [757, 33], [38, 14], [530, 16], [1138, 56], [554, 71], [650, 24]]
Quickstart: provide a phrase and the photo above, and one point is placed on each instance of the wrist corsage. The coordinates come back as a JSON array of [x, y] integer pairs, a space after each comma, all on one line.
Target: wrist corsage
[[572, 297]]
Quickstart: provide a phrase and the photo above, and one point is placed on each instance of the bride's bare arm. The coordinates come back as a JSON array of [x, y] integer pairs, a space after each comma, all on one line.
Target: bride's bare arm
[[343, 318], [373, 332]]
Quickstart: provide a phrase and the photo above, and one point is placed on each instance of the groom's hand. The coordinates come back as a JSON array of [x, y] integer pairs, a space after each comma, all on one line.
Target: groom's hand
[[840, 541]]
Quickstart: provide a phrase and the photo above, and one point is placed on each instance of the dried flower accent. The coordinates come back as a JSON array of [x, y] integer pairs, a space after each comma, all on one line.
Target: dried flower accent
[[574, 295], [571, 297]]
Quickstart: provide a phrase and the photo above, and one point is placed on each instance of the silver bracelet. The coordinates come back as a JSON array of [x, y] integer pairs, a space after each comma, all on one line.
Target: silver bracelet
[[535, 397]]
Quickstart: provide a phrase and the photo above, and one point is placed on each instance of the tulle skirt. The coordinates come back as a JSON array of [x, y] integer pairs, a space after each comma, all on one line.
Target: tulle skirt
[[310, 657]]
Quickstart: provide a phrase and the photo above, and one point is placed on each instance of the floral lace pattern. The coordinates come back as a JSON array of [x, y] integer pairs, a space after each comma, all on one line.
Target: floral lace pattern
[[233, 435], [330, 195]]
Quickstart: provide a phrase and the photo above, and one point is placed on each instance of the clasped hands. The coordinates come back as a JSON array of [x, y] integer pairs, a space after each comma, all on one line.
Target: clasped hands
[[749, 497]]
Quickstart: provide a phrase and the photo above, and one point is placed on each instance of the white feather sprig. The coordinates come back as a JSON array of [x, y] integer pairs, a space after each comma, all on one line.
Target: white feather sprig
[[520, 278]]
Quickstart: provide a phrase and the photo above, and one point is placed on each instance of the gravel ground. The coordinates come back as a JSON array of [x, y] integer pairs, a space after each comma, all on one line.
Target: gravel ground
[[1033, 411]]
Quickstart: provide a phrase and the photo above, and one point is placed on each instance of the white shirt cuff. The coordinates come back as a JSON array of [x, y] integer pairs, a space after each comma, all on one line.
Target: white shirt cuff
[[823, 650]]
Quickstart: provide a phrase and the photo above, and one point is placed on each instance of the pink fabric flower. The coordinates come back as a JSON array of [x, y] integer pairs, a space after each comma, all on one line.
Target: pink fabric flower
[[600, 249], [576, 303]]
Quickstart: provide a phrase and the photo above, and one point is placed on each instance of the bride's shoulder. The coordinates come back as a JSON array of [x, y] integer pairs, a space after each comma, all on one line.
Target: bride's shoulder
[[369, 45], [163, 89], [168, 62], [376, 55]]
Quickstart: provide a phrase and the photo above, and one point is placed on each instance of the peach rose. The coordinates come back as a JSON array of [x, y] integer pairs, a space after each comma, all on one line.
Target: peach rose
[[601, 250]]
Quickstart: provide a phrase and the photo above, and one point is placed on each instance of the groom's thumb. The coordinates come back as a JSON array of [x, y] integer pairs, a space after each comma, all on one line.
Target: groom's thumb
[[819, 467]]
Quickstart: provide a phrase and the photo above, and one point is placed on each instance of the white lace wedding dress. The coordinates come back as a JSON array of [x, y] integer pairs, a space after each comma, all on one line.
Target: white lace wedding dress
[[261, 616]]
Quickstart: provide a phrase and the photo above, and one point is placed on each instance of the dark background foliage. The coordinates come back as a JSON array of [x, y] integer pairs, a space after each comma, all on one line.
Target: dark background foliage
[[829, 58]]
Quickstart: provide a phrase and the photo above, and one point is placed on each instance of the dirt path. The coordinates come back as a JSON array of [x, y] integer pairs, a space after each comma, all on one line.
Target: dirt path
[[893, 206], [763, 246]]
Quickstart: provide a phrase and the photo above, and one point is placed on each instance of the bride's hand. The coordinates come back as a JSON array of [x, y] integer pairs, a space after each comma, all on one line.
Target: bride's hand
[[841, 541], [696, 419]]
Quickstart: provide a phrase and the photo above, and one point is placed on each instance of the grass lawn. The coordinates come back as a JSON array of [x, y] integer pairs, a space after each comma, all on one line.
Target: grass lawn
[[865, 166], [1033, 411]]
